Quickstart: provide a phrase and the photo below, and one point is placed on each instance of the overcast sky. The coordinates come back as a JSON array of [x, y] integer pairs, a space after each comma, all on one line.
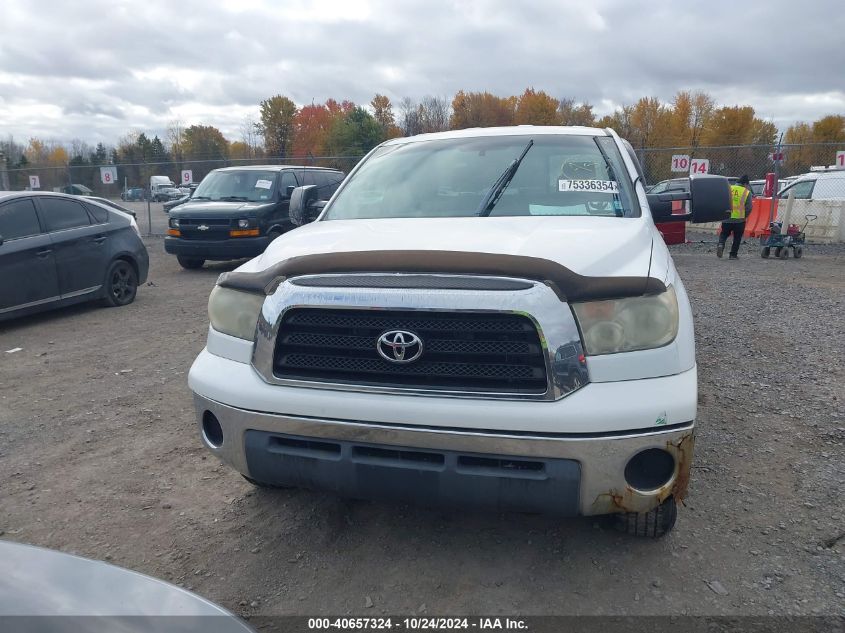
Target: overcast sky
[[96, 69]]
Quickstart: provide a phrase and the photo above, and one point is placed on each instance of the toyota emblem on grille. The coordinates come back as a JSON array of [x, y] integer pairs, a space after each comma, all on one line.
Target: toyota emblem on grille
[[399, 346], [202, 227]]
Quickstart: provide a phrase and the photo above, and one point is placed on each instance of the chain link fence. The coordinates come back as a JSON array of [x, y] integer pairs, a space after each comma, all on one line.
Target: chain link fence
[[88, 179], [822, 194]]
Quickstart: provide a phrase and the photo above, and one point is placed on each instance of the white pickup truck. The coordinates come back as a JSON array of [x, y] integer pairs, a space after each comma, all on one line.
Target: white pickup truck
[[484, 317]]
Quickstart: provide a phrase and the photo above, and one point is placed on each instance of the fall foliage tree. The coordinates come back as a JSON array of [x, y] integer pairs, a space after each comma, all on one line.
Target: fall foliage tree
[[277, 124], [481, 109], [572, 113], [354, 133], [536, 108]]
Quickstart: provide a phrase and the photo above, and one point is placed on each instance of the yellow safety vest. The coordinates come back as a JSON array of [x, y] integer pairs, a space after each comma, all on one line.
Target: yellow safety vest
[[739, 195]]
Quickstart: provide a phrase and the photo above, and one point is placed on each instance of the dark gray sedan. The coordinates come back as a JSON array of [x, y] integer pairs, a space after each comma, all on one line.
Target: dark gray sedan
[[57, 249]]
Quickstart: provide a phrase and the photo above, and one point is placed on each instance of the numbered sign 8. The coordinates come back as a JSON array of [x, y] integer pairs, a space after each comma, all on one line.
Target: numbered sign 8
[[699, 166], [108, 175], [840, 160], [680, 163], [187, 176], [34, 182]]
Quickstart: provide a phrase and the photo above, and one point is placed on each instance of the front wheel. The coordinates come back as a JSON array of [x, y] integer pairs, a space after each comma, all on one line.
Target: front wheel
[[655, 523], [797, 252], [191, 263], [121, 284], [784, 253], [765, 252]]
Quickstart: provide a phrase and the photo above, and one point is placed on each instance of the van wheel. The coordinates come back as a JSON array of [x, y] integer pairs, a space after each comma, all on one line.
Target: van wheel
[[191, 263], [121, 284], [655, 523]]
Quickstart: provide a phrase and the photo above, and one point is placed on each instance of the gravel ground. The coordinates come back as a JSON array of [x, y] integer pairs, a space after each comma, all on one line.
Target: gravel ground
[[99, 455]]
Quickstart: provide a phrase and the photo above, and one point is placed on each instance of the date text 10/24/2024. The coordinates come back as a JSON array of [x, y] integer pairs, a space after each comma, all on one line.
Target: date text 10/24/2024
[[418, 624]]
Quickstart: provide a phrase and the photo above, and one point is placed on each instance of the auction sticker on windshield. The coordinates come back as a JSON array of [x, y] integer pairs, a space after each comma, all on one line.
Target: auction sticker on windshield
[[263, 184], [602, 186]]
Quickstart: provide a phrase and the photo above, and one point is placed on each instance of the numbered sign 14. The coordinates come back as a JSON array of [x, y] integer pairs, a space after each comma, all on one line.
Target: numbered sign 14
[[699, 166], [840, 159], [187, 176], [680, 163], [108, 174], [34, 182]]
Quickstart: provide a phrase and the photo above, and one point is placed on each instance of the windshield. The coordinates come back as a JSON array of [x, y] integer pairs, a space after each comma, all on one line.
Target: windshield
[[562, 175], [241, 185]]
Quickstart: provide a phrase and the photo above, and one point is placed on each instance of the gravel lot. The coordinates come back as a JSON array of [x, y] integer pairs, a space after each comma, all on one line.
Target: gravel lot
[[99, 456]]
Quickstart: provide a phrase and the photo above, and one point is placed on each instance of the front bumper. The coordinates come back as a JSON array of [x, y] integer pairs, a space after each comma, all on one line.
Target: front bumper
[[563, 474], [234, 248]]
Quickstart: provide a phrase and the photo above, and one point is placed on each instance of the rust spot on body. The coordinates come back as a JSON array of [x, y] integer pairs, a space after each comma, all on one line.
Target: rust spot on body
[[631, 500]]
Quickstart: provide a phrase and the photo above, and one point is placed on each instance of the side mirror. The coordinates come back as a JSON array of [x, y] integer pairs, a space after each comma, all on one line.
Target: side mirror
[[709, 196], [289, 191], [301, 201]]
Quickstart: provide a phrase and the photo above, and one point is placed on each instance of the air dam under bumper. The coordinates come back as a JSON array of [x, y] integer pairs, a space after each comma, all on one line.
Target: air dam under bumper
[[233, 248], [564, 474]]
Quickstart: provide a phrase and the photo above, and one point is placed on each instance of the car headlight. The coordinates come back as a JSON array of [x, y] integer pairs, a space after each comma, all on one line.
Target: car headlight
[[627, 325], [243, 224], [174, 223], [233, 312]]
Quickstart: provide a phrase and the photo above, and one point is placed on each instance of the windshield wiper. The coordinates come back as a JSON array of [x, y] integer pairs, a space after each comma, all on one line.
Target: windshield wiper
[[237, 198], [199, 198], [498, 188]]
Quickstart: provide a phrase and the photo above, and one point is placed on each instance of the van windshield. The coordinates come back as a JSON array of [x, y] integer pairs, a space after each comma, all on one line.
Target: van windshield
[[238, 185], [562, 175]]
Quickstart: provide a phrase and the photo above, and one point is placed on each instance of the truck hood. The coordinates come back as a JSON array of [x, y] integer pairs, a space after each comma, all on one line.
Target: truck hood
[[218, 208], [590, 246]]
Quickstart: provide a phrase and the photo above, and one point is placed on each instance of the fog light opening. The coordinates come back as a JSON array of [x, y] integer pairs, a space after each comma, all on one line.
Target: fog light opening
[[212, 432], [650, 469]]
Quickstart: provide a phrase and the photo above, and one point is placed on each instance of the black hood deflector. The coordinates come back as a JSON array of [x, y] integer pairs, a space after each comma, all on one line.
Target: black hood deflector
[[567, 285]]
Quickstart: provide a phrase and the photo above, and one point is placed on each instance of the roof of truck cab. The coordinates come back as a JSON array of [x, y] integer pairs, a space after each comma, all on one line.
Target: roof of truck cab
[[273, 168], [511, 130]]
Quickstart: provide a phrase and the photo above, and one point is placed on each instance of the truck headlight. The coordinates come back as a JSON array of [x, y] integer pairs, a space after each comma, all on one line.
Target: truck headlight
[[174, 223], [233, 312], [243, 224], [627, 325]]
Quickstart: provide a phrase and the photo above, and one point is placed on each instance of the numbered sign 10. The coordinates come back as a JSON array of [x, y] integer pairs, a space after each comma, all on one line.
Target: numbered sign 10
[[187, 176], [699, 166], [680, 163], [840, 160], [34, 182], [108, 174]]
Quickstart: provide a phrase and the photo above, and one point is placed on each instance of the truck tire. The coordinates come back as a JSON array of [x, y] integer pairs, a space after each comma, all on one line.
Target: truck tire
[[191, 263], [655, 523]]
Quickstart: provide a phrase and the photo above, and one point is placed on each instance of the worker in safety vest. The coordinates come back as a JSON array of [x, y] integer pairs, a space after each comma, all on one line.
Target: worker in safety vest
[[740, 210]]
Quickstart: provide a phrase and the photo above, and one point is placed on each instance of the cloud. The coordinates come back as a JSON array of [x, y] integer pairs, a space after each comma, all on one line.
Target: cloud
[[95, 69]]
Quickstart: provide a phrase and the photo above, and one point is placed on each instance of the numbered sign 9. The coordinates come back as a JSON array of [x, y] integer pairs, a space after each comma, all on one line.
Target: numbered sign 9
[[108, 174], [34, 182], [699, 166], [840, 160], [680, 163], [187, 176]]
